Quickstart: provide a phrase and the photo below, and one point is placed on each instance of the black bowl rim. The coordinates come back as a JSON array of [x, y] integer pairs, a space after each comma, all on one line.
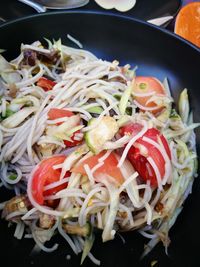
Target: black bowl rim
[[103, 13]]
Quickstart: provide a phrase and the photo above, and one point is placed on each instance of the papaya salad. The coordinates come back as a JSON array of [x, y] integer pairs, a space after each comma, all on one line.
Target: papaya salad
[[88, 146]]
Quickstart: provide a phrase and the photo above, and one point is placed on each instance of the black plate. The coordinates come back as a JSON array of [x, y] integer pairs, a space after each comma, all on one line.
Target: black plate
[[156, 52], [144, 9]]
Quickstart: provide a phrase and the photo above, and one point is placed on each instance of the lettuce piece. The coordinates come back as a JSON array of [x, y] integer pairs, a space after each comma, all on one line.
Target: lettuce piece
[[124, 99]]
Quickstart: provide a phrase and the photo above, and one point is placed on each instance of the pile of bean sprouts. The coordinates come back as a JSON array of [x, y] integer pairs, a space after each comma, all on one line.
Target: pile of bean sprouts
[[25, 139]]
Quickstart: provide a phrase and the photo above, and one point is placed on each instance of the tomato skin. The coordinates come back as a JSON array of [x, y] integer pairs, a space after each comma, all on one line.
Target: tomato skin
[[109, 167], [142, 166], [45, 175], [56, 113], [46, 84], [143, 85], [139, 159], [130, 129], [73, 142], [154, 134]]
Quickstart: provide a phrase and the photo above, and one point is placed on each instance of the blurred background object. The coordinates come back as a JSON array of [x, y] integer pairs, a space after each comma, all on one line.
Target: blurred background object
[[42, 5], [143, 9], [120, 5], [187, 23], [39, 8]]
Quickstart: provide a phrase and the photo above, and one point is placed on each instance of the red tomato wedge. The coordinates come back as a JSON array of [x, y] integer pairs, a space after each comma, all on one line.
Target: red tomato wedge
[[138, 156], [56, 113], [142, 166], [46, 84], [45, 175], [146, 85], [130, 129], [109, 167]]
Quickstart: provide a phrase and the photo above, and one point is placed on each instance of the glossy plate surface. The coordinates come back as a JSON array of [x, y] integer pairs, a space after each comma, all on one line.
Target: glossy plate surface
[[156, 52]]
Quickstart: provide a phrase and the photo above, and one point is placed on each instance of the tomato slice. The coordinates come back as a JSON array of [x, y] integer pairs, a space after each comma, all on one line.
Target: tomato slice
[[130, 129], [56, 113], [145, 85], [154, 134], [46, 84], [74, 142], [45, 175], [138, 156], [109, 167], [142, 166]]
